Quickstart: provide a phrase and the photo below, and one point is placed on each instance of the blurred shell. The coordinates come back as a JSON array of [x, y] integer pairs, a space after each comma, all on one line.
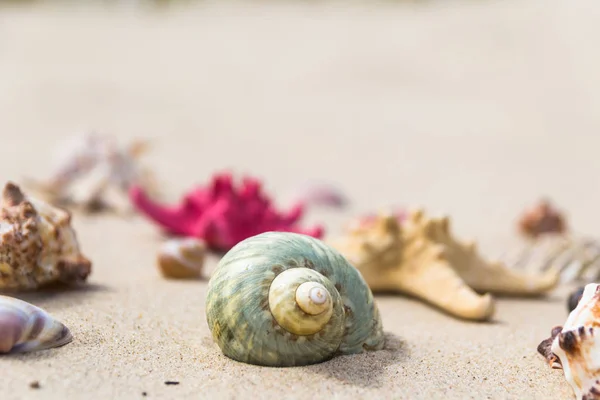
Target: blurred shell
[[38, 245], [542, 219], [95, 173], [182, 258], [576, 259], [320, 194], [576, 347], [25, 327], [287, 299]]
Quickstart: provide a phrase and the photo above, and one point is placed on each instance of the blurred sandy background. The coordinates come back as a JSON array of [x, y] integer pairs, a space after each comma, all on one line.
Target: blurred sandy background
[[474, 109]]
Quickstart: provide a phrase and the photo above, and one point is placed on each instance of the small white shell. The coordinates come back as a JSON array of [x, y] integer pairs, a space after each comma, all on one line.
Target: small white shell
[[577, 346], [182, 258], [25, 327]]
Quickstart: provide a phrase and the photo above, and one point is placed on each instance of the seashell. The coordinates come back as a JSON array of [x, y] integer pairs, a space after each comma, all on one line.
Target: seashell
[[25, 328], [320, 194], [95, 173], [38, 245], [222, 214], [182, 258], [286, 299], [575, 259], [542, 219], [575, 347], [420, 257]]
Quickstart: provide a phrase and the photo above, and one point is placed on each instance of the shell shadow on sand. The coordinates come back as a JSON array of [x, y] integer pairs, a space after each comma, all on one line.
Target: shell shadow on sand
[[364, 369], [66, 295]]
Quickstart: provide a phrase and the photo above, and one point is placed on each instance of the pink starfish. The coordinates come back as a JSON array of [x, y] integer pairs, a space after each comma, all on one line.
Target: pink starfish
[[221, 214]]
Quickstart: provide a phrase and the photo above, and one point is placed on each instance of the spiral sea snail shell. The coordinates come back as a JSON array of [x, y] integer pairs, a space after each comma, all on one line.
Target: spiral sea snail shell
[[287, 299]]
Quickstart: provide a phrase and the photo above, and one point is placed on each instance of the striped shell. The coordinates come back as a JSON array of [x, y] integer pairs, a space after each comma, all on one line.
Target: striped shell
[[286, 299], [577, 259], [25, 327]]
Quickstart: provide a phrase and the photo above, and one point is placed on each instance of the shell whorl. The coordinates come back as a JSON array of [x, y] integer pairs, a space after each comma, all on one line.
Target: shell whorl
[[286, 299], [313, 298], [292, 302]]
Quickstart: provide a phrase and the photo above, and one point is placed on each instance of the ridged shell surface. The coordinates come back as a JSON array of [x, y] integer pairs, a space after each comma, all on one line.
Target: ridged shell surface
[[576, 259], [255, 314], [25, 327], [38, 245]]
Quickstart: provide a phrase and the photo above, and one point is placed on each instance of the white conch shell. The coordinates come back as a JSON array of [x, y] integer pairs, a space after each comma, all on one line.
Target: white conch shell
[[182, 258], [25, 327], [577, 346], [38, 245]]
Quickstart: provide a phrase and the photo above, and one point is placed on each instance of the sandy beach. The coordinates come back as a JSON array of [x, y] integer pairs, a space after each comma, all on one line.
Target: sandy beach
[[470, 109]]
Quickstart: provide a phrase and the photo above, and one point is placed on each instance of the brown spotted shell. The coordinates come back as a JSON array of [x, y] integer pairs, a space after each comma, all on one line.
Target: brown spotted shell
[[38, 245]]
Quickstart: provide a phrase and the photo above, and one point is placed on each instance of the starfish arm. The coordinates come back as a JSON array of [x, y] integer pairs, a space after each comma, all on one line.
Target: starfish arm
[[170, 218], [293, 216], [495, 277], [438, 284], [219, 228]]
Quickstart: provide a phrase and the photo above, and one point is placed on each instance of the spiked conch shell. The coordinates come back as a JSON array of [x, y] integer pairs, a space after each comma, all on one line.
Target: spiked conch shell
[[182, 258], [287, 299], [420, 257], [38, 245], [575, 347], [25, 327]]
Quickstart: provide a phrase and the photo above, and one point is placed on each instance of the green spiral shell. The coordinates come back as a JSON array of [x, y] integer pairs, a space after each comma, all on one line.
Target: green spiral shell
[[253, 312]]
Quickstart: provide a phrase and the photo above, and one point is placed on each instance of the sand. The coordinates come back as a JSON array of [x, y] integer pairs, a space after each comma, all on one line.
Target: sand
[[472, 109]]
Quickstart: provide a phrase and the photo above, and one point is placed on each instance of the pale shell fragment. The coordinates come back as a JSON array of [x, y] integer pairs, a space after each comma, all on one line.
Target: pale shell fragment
[[25, 328], [182, 258]]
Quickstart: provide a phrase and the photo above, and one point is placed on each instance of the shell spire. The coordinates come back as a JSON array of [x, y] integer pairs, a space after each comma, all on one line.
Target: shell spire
[[12, 195], [38, 245]]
